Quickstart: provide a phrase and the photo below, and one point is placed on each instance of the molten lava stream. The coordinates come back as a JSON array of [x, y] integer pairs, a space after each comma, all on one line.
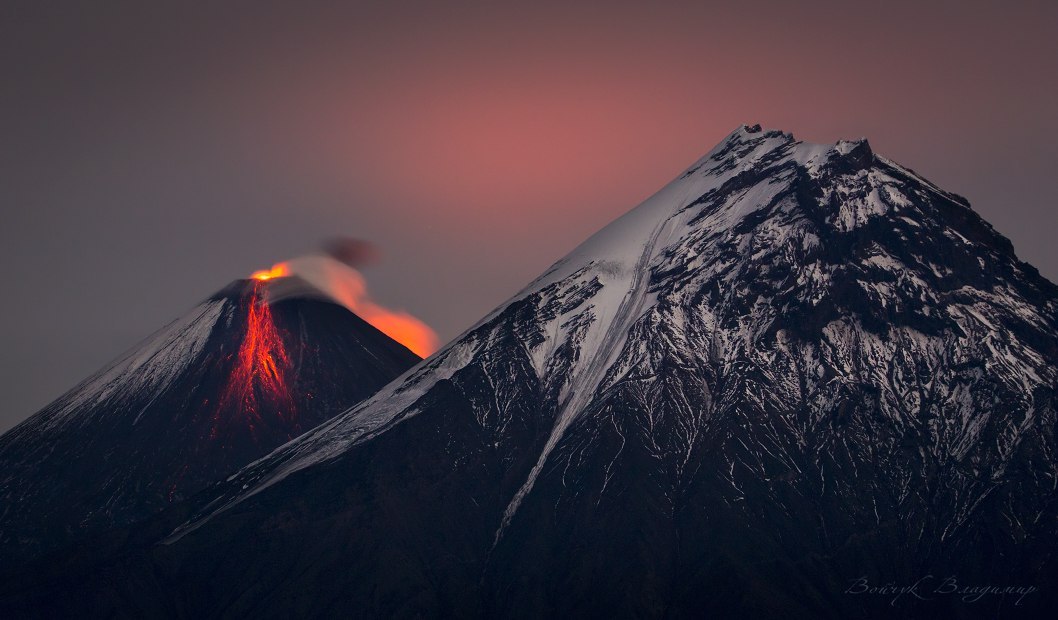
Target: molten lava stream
[[257, 380]]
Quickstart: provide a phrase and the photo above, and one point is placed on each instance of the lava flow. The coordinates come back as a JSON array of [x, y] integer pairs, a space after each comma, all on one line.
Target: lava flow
[[257, 380]]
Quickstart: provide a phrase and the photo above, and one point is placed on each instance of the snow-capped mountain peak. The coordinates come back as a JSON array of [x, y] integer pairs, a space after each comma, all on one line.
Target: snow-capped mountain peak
[[764, 239]]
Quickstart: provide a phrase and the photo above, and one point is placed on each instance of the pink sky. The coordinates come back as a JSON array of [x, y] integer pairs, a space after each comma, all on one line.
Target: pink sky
[[155, 154]]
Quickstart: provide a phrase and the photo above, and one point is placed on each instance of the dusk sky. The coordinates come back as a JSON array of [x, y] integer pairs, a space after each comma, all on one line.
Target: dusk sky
[[152, 155]]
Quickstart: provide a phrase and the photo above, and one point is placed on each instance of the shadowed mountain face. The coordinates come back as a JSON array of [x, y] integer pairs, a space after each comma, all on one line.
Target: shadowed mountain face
[[794, 367], [214, 390]]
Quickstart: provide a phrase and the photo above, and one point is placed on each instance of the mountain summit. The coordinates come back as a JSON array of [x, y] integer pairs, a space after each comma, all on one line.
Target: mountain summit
[[795, 366]]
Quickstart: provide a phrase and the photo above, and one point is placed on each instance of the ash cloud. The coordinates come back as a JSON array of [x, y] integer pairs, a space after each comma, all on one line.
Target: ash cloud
[[353, 252]]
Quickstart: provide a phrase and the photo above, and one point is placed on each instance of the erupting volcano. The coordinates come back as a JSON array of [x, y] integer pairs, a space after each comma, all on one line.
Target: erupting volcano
[[258, 379], [256, 364]]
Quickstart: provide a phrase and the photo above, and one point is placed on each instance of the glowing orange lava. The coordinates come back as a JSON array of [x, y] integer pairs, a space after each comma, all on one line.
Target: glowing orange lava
[[278, 270], [258, 377]]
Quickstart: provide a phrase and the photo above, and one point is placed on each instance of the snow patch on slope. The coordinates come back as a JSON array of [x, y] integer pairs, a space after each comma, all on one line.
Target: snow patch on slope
[[146, 368]]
